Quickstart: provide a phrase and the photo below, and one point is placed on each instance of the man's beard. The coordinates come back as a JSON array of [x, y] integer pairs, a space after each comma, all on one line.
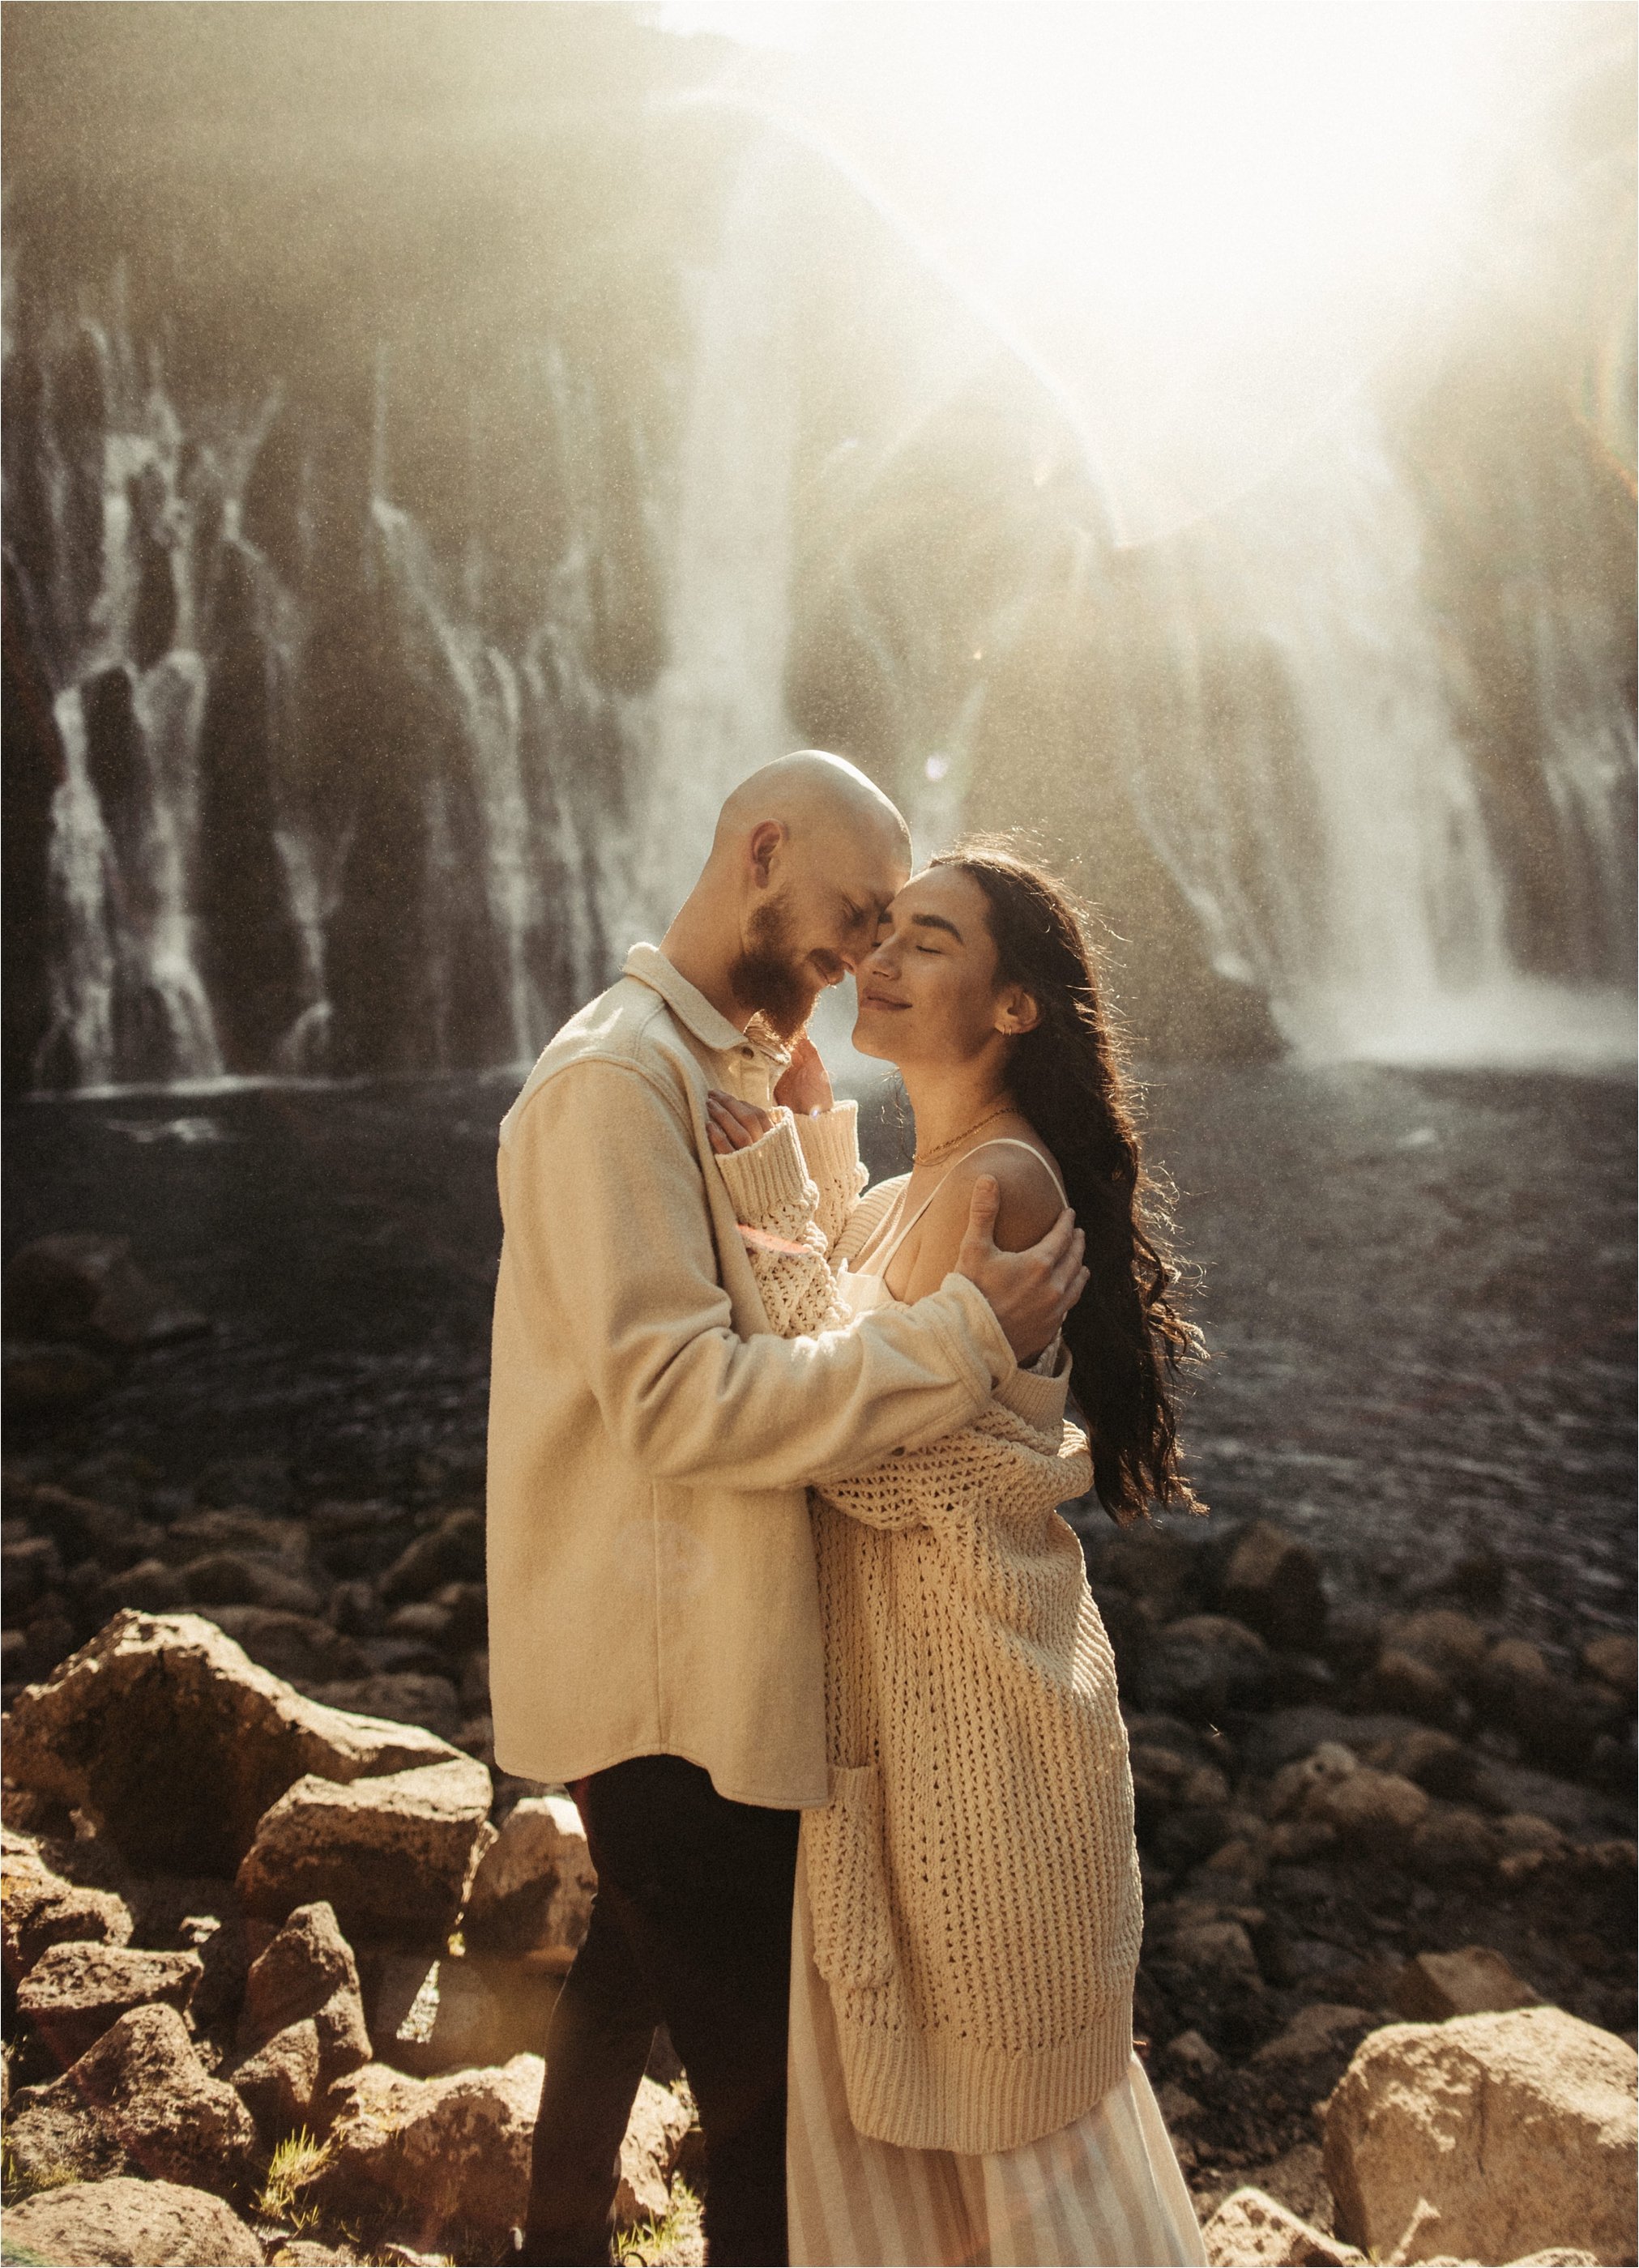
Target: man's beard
[[769, 976]]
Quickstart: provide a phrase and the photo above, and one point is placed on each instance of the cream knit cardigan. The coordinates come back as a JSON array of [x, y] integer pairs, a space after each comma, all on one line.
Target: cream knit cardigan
[[973, 1881]]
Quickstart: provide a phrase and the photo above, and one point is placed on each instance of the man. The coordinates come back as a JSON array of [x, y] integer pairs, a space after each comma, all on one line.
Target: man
[[654, 1637]]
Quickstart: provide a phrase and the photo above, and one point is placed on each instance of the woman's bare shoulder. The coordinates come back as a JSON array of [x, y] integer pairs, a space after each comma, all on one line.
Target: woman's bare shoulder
[[1030, 1204]]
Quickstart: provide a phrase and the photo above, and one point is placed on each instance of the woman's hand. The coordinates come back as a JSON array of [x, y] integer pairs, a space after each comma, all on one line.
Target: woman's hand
[[732, 1125], [805, 1084]]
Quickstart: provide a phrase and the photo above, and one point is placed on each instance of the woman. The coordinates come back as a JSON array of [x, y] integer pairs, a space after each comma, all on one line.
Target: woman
[[967, 1923]]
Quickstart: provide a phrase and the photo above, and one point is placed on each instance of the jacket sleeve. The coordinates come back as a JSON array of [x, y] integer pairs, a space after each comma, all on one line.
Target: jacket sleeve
[[609, 1250]]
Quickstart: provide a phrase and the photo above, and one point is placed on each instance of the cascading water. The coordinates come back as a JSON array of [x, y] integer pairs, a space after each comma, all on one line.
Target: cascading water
[[718, 709], [1284, 709], [1333, 842]]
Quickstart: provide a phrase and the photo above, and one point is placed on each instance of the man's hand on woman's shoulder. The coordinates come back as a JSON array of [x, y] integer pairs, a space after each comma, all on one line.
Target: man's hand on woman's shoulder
[[1030, 1292]]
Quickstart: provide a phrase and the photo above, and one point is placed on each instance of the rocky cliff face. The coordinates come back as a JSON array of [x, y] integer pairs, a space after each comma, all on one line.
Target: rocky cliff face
[[436, 467]]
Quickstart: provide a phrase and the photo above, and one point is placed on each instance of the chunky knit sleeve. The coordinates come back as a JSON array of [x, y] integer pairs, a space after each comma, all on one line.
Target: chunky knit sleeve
[[829, 1140], [999, 1459], [777, 1205]]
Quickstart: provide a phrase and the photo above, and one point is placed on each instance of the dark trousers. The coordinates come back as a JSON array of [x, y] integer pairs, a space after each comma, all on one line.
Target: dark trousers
[[691, 1927]]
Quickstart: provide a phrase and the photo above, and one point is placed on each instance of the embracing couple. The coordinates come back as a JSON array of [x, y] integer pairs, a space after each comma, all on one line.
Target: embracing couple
[[778, 1585]]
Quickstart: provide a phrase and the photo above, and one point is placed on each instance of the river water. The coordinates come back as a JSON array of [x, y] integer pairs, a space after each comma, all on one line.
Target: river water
[[1416, 1286]]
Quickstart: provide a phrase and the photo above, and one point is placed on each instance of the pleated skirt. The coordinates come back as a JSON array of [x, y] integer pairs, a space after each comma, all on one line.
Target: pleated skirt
[[1105, 2192]]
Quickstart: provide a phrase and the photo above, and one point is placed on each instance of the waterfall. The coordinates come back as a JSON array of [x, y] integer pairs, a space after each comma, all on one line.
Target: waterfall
[[342, 785], [1335, 842], [1366, 903], [719, 710]]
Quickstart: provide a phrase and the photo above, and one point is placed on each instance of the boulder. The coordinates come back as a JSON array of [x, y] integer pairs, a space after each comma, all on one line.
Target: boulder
[[74, 1992], [475, 1681], [1229, 1875], [1205, 1664], [148, 1586], [1249, 2229], [1297, 1785], [1410, 1687], [452, 1552], [88, 1288], [237, 1527], [200, 1914], [222, 1578], [29, 1568], [1555, 1722], [1323, 2030], [532, 1893], [452, 2154], [403, 1697], [1486, 2138], [1297, 2180], [82, 1528], [147, 2086], [654, 2137], [120, 2223], [1272, 1585], [1438, 1764], [1453, 1644], [1158, 1777], [1475, 1982], [429, 2013], [1613, 1660], [393, 1854], [429, 2155], [54, 2136], [305, 1651], [39, 1908], [176, 1743], [467, 1607], [1373, 1812], [422, 1618], [1523, 1830], [300, 1968], [1206, 1964], [302, 2027], [1192, 2058], [1296, 1842], [1453, 1843]]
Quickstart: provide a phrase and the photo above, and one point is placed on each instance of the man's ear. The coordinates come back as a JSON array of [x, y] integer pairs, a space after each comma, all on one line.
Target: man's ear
[[763, 848], [1017, 1012]]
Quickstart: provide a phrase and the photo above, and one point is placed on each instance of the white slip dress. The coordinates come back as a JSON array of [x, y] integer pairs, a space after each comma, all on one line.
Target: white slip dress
[[1103, 2192]]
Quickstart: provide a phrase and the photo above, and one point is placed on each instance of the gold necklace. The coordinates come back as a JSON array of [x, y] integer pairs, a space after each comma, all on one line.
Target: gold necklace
[[927, 1157]]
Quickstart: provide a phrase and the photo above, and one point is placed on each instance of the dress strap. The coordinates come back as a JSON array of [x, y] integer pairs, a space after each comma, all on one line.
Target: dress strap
[[878, 1261], [1014, 1142]]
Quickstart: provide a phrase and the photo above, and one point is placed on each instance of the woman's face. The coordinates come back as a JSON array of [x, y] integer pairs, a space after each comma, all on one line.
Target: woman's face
[[927, 990]]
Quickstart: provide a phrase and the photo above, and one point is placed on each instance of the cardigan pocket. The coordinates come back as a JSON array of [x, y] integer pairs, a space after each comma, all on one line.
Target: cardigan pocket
[[847, 1879]]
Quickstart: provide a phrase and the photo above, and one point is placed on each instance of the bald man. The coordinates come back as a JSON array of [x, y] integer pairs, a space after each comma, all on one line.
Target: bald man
[[654, 1631]]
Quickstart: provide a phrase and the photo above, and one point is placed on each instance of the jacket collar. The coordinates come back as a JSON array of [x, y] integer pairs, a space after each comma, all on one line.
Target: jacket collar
[[649, 965]]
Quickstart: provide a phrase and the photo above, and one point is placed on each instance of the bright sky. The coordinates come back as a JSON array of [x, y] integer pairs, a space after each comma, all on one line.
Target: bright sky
[[1198, 224]]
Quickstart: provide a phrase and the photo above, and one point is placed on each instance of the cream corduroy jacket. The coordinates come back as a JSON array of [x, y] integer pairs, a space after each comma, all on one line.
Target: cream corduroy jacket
[[974, 1881], [651, 1574]]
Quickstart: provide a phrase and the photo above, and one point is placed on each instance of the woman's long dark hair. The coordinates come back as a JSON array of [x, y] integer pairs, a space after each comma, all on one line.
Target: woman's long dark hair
[[1126, 1336]]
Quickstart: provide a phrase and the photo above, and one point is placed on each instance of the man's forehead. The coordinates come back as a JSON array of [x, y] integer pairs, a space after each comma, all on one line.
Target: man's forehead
[[880, 881], [878, 869]]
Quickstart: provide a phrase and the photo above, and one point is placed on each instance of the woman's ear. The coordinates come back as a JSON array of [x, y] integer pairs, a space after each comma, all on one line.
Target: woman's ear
[[1016, 1012]]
